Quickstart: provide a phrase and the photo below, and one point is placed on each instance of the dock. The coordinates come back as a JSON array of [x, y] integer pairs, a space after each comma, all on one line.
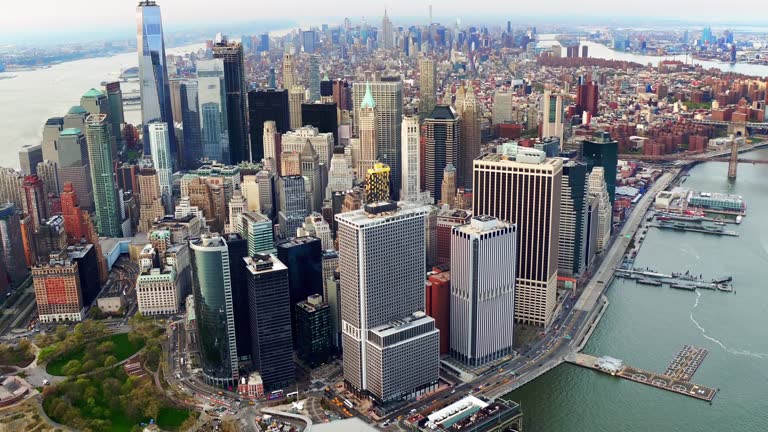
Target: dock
[[676, 280], [705, 230], [682, 367]]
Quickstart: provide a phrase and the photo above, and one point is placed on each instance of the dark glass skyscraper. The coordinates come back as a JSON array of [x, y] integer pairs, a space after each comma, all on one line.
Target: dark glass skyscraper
[[270, 318], [601, 150], [190, 117], [322, 116], [238, 249], [214, 309], [443, 137], [234, 76], [108, 215], [153, 71], [304, 258], [263, 105]]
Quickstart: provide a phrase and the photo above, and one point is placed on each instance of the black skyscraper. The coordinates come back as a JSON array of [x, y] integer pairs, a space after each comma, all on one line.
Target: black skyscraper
[[264, 105], [237, 247], [323, 116], [234, 77], [304, 258], [270, 319]]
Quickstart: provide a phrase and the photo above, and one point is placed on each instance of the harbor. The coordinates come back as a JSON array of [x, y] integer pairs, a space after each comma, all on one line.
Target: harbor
[[683, 281], [704, 229], [676, 378]]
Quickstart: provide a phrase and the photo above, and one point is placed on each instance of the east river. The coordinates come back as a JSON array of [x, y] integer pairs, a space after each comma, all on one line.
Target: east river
[[645, 326]]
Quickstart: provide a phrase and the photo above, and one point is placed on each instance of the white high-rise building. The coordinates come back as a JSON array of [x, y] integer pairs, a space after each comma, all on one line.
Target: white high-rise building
[[296, 95], [552, 115], [340, 175], [483, 259], [250, 190], [237, 206], [271, 149], [411, 159], [599, 189], [502, 106], [294, 141], [157, 292], [160, 150], [366, 127], [391, 348], [289, 72], [314, 225]]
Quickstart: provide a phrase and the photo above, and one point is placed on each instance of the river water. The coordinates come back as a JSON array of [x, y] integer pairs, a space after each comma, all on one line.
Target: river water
[[646, 326]]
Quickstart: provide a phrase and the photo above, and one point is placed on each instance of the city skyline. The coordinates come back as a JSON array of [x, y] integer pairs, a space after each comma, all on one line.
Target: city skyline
[[181, 15]]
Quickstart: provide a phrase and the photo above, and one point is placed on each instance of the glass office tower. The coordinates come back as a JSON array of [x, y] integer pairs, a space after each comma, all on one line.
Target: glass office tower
[[213, 109], [153, 70]]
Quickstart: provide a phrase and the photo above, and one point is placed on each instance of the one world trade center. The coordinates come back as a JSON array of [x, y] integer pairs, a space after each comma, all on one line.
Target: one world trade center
[[153, 73]]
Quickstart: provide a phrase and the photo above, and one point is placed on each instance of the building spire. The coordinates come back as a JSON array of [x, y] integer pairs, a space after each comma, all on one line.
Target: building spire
[[368, 101]]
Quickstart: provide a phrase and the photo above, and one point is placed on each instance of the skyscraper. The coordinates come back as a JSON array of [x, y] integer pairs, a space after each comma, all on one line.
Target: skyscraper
[[552, 115], [105, 197], [314, 333], [411, 183], [214, 118], [602, 151], [151, 206], [57, 290], [293, 204], [161, 159], [289, 72], [237, 247], [520, 179], [74, 165], [295, 99], [483, 258], [153, 71], [427, 87], [443, 143], [295, 141], [257, 231], [11, 182], [340, 174], [304, 258], [116, 112], [190, 115], [366, 129], [51, 130], [270, 317], [387, 36], [48, 173], [448, 187], [311, 171], [11, 244], [571, 257], [377, 181], [323, 116], [214, 310], [35, 201], [599, 191], [587, 97], [265, 105], [391, 349], [314, 78], [29, 157], [470, 137], [388, 94], [231, 53]]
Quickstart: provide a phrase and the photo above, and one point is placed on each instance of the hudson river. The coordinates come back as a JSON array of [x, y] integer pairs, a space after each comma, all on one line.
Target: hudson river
[[645, 326]]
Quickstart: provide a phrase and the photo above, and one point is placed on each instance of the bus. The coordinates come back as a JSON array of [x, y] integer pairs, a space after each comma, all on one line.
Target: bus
[[275, 395], [348, 403], [292, 394]]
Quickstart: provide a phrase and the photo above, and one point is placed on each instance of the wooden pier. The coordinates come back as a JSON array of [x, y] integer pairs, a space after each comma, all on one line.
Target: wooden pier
[[682, 367]]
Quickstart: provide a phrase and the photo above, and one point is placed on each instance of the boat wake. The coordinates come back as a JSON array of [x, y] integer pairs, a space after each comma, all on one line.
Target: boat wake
[[745, 353], [689, 250]]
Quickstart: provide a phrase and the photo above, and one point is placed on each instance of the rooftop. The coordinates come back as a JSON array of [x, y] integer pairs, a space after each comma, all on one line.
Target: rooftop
[[363, 218], [394, 326], [262, 263], [71, 131], [443, 112], [93, 93], [77, 109]]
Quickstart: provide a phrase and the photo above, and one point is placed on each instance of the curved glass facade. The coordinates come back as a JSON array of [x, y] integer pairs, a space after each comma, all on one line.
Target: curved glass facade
[[214, 310]]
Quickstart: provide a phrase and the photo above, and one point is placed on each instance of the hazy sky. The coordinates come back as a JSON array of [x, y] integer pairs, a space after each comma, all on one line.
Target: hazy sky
[[39, 17]]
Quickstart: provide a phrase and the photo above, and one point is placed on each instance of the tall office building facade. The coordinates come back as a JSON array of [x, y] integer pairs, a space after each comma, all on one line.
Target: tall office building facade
[[51, 130], [314, 332], [107, 210], [427, 87], [11, 244], [295, 99], [296, 141], [214, 311], [34, 199], [377, 181], [29, 157], [524, 189], [312, 173], [391, 349], [270, 319], [49, 175], [74, 165], [265, 105], [388, 94], [598, 190], [190, 115], [602, 151], [161, 159], [387, 34], [57, 291], [289, 72], [214, 118], [483, 259], [552, 115], [443, 141], [153, 70], [231, 54], [116, 111], [411, 182], [304, 258], [366, 127], [293, 208], [257, 231], [314, 77], [470, 137], [11, 182], [571, 257], [340, 174], [323, 116]]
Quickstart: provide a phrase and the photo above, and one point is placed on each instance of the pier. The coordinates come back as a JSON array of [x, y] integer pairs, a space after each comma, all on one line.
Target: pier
[[682, 367], [675, 280]]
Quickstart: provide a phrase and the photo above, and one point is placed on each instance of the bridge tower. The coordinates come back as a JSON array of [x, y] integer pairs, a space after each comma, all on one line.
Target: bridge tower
[[734, 160]]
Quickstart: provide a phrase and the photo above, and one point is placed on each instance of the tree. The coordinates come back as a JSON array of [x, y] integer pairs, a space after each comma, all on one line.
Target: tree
[[72, 367], [110, 360], [96, 313]]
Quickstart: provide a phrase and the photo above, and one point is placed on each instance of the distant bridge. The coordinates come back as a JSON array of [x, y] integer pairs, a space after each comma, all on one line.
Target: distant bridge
[[687, 158]]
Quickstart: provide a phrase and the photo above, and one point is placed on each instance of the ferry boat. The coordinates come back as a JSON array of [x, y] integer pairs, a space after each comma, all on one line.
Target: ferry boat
[[651, 282], [684, 287], [722, 279], [696, 217], [739, 219]]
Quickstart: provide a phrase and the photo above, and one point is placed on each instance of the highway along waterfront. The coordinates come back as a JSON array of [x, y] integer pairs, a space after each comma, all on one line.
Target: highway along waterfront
[[645, 325]]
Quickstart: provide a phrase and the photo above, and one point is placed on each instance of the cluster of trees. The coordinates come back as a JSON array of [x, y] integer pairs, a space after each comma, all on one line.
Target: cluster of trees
[[148, 331], [99, 402], [62, 339], [20, 354]]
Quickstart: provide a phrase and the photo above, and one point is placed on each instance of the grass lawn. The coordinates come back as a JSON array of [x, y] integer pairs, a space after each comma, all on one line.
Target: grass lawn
[[122, 350]]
